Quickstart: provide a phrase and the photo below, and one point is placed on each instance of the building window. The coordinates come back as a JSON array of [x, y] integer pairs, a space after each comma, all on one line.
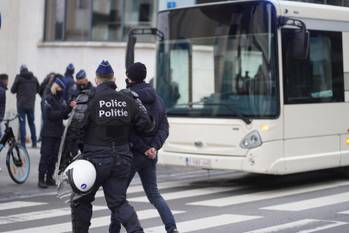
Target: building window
[[54, 19], [77, 20], [318, 78], [138, 13], [107, 20], [96, 20]]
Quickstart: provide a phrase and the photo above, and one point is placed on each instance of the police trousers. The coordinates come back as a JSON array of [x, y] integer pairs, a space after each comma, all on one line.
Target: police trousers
[[112, 175], [49, 153]]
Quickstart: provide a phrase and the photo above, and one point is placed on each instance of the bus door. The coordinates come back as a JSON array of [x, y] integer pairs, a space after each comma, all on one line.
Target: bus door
[[314, 98]]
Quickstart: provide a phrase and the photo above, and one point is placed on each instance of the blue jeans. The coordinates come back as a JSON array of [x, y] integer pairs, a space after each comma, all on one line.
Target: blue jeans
[[30, 117], [147, 174]]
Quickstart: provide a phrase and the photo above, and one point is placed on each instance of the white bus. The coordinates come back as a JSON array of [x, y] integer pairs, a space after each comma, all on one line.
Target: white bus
[[256, 86]]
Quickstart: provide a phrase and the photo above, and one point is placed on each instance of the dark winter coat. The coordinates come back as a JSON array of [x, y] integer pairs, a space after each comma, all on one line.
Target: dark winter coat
[[156, 109], [25, 86], [2, 100], [55, 111]]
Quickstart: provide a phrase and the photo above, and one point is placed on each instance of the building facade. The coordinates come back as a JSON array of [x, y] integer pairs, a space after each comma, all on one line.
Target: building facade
[[46, 35]]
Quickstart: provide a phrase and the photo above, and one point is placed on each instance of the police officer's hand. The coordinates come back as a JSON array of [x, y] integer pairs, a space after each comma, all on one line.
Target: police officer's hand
[[72, 104], [151, 153]]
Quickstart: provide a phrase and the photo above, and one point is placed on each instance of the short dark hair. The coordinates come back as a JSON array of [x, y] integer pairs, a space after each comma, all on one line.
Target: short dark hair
[[105, 77], [3, 77]]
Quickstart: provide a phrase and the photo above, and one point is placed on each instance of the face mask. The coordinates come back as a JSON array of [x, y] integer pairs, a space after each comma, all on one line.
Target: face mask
[[82, 86], [59, 93], [128, 83]]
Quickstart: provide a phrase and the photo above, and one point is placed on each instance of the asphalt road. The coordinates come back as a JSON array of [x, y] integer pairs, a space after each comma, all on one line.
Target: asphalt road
[[215, 202]]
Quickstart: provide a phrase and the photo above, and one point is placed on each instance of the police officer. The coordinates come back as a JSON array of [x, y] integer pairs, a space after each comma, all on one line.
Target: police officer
[[69, 82], [55, 111], [105, 132], [84, 89], [82, 83]]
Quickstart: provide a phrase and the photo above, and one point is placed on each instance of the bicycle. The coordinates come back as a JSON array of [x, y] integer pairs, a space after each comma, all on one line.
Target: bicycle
[[17, 159]]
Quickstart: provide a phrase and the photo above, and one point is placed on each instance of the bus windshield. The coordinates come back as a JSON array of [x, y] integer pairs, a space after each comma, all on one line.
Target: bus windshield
[[219, 60]]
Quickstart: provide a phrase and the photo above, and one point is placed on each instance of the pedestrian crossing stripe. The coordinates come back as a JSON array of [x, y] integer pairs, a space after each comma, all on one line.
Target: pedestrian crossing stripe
[[18, 204], [344, 212], [132, 189], [258, 196], [95, 223], [311, 203], [282, 227], [300, 224], [321, 228], [139, 188], [184, 194], [206, 223], [39, 215]]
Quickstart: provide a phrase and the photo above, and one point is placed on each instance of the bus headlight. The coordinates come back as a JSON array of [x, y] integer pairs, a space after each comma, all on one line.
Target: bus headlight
[[251, 140]]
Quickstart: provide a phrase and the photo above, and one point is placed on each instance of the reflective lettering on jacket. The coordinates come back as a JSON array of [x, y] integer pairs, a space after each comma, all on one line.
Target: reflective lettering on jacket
[[112, 108]]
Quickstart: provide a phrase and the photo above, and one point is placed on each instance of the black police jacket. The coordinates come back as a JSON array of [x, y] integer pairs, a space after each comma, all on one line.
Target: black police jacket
[[110, 117], [72, 140], [55, 111]]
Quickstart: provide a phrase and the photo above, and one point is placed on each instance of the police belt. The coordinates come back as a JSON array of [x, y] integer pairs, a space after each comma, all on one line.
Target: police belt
[[105, 145], [107, 136], [105, 151]]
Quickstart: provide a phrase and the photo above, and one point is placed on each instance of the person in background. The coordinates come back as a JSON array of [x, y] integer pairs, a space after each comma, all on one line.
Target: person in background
[[82, 83], [44, 89], [3, 88], [69, 83], [56, 110], [26, 86], [45, 86], [145, 146]]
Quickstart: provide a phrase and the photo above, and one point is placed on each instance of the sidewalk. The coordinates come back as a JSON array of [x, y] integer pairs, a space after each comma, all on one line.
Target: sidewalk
[[9, 188]]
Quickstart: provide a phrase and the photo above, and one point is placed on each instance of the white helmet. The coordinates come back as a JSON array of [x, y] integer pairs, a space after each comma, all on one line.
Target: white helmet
[[76, 180], [81, 175]]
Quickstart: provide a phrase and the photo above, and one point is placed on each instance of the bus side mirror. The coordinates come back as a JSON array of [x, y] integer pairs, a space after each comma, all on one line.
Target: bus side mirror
[[300, 44], [130, 51], [299, 38], [132, 40]]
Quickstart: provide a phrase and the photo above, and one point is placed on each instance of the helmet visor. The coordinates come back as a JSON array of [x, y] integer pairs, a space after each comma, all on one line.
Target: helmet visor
[[65, 191]]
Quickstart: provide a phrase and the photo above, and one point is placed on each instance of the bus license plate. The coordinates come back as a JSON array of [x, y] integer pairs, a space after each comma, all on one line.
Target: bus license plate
[[195, 162]]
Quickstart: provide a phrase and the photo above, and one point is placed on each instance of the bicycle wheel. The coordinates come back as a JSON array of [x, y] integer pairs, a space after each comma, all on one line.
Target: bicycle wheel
[[18, 163]]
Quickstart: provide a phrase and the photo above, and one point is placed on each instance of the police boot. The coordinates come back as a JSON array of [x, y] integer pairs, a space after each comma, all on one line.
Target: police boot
[[42, 183], [174, 231], [50, 181]]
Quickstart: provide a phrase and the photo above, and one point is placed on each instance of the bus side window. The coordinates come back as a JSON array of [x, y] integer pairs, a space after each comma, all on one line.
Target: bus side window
[[319, 77]]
